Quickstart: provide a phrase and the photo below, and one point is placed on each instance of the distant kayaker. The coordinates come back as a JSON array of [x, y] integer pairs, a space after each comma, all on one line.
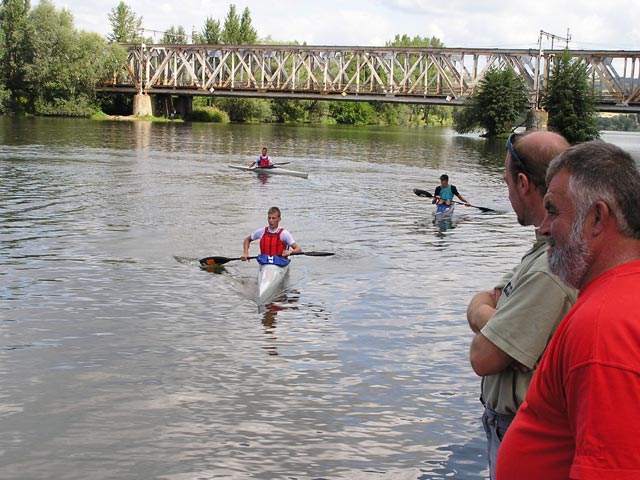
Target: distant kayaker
[[444, 192], [263, 160], [274, 240]]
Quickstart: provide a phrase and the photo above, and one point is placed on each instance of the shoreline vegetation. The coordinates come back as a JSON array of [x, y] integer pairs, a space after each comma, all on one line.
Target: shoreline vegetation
[[607, 122]]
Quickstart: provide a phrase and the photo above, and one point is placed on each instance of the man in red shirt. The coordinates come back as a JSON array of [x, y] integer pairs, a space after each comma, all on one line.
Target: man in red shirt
[[580, 416]]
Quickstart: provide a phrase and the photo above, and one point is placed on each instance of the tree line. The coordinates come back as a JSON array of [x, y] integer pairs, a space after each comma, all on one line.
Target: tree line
[[47, 67]]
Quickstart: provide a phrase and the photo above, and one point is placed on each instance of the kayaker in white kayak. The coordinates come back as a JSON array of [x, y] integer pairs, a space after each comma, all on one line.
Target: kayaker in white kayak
[[444, 192], [274, 240], [263, 160]]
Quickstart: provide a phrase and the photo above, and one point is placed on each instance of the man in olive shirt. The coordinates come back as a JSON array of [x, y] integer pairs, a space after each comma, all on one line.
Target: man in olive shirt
[[513, 323]]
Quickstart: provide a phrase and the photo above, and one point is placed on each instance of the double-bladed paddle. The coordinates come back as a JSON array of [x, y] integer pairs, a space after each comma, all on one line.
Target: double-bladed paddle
[[424, 193], [212, 261]]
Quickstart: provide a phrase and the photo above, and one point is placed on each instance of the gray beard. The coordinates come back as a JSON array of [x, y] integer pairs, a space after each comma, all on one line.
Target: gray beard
[[571, 261]]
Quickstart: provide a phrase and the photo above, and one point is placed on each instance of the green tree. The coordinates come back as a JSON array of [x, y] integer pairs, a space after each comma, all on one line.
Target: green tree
[[211, 33], [175, 35], [231, 30], [15, 53], [127, 27], [290, 110], [247, 34], [495, 106], [352, 113], [245, 109], [68, 65], [570, 100], [5, 100]]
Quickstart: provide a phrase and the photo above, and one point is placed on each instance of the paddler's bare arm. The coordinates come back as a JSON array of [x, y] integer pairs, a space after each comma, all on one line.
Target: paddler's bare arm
[[295, 248], [245, 248]]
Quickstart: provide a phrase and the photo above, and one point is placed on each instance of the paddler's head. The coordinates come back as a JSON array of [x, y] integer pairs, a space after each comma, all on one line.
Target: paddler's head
[[273, 217]]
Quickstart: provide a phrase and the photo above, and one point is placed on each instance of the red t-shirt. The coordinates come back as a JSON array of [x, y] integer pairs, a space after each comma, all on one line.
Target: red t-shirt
[[581, 415]]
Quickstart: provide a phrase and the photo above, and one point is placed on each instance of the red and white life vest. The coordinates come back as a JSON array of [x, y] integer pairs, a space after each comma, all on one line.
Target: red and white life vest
[[270, 243]]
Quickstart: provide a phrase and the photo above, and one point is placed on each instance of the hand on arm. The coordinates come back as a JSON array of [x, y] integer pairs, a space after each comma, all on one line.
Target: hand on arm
[[481, 308], [295, 248], [462, 199], [485, 357]]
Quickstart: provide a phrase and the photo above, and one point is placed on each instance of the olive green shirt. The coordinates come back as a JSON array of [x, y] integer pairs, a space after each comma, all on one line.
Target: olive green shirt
[[532, 304]]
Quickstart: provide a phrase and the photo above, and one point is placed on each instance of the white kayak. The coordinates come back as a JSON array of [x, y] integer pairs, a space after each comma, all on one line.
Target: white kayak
[[443, 212], [270, 280], [275, 170]]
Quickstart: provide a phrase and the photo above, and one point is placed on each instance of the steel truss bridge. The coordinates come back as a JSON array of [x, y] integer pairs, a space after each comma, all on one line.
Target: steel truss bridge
[[437, 76]]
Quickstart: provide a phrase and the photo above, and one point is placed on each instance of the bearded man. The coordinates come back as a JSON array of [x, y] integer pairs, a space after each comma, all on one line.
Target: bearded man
[[580, 416]]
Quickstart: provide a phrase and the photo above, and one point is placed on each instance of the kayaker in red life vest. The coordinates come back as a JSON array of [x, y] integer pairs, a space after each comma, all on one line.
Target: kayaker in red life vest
[[274, 240], [263, 160]]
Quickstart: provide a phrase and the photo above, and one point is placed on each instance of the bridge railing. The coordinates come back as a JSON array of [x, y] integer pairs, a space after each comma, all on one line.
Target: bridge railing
[[409, 75]]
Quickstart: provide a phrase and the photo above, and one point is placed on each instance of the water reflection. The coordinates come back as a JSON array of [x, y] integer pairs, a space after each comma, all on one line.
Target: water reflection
[[285, 301], [444, 224]]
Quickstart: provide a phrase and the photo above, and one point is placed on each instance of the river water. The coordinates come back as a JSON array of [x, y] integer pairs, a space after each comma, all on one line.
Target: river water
[[120, 358]]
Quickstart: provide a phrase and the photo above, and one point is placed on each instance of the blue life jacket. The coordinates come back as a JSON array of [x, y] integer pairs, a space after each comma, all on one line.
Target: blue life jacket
[[446, 193]]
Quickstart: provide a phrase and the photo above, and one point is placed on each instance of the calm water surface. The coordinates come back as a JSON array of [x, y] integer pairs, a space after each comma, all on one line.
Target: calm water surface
[[120, 358]]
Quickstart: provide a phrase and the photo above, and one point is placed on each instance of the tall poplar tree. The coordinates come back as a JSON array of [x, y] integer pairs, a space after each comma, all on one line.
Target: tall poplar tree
[[248, 34], [127, 27], [231, 30], [211, 32]]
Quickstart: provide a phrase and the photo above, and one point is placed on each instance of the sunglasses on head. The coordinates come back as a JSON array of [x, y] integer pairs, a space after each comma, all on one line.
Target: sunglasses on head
[[512, 151]]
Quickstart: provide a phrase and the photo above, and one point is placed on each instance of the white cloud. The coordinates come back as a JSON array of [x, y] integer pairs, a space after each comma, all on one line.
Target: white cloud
[[458, 23]]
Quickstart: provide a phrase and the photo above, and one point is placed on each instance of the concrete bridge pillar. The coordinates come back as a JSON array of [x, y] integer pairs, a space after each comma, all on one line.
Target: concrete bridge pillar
[[536, 120], [142, 105]]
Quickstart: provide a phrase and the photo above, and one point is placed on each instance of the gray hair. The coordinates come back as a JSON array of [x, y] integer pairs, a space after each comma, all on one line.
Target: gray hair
[[602, 172]]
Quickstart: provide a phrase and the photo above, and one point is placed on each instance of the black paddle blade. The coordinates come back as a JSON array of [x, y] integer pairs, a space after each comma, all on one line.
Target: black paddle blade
[[316, 254], [212, 261], [422, 193], [484, 209]]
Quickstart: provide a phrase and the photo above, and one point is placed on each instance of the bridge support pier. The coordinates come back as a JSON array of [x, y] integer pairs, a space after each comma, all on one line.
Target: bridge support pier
[[142, 105], [536, 120]]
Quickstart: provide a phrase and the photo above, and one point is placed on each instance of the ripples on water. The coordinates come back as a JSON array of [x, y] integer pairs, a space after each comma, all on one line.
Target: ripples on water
[[122, 359]]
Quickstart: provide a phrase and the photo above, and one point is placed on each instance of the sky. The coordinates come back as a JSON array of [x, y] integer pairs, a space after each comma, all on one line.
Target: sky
[[591, 24]]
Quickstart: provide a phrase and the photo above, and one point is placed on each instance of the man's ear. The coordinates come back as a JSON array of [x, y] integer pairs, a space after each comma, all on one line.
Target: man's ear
[[601, 216], [522, 182]]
